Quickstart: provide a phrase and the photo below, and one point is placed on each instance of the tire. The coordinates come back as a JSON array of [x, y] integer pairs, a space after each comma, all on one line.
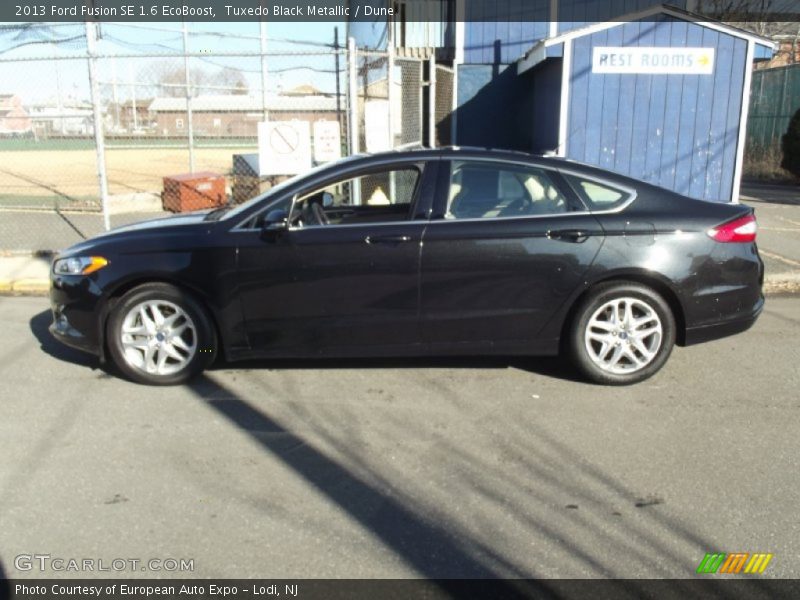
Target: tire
[[622, 333], [158, 334]]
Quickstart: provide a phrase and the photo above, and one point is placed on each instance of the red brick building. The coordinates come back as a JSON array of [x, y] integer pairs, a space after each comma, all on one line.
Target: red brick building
[[787, 53], [233, 115], [13, 118]]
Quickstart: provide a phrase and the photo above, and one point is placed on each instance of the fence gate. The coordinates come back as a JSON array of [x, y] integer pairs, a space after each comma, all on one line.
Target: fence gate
[[409, 113], [774, 98], [443, 105]]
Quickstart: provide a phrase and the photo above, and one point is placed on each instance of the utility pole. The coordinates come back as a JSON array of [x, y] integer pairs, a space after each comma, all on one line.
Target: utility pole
[[98, 121], [59, 103], [338, 83], [264, 68], [134, 110], [352, 116], [114, 94], [189, 122]]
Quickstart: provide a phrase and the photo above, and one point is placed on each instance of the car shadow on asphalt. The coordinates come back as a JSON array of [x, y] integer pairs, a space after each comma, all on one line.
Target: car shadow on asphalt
[[422, 543], [5, 588], [548, 367], [554, 367], [436, 547], [39, 325]]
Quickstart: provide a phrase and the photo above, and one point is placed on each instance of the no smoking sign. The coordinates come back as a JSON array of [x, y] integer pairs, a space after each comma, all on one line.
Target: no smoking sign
[[284, 147]]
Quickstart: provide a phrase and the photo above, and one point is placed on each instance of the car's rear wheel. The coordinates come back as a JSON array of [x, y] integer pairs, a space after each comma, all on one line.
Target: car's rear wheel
[[622, 333], [160, 335]]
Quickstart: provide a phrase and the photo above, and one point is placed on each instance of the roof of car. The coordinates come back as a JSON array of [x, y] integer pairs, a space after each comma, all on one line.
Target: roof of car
[[456, 152]]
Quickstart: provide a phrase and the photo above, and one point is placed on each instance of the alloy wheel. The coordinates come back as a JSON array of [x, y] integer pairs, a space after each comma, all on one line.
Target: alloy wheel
[[158, 337], [623, 335]]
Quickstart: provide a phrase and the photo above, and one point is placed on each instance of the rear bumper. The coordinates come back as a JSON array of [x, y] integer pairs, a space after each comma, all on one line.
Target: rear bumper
[[715, 331]]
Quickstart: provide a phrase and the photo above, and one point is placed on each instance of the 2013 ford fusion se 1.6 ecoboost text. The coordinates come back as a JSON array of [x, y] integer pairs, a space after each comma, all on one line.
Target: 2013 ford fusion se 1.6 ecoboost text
[[424, 252]]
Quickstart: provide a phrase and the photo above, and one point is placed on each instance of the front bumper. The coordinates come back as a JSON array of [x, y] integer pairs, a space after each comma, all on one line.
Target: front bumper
[[75, 304]]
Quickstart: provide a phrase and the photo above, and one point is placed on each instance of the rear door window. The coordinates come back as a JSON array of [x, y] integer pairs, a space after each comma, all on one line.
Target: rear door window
[[485, 190]]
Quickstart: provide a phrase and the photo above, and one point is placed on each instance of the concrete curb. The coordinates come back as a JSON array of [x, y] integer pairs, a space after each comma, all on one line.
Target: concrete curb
[[24, 287], [34, 287]]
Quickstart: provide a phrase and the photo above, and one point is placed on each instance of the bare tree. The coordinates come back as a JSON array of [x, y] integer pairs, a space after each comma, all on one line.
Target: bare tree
[[762, 17], [168, 78], [233, 79]]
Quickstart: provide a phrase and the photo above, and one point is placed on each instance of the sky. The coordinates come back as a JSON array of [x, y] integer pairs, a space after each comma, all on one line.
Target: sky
[[38, 81]]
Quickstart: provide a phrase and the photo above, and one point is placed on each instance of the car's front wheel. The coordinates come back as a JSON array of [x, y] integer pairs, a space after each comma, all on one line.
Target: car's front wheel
[[622, 333], [160, 335]]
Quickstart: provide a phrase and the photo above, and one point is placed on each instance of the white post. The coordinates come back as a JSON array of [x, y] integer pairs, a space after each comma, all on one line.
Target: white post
[[352, 95], [189, 123], [390, 94], [432, 102], [460, 37], [59, 103], [563, 116], [114, 94], [553, 30], [132, 83], [264, 70], [390, 97], [133, 107], [740, 143], [352, 118], [98, 122]]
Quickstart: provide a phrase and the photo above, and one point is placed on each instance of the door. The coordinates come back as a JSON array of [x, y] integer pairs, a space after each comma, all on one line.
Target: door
[[344, 275], [507, 245]]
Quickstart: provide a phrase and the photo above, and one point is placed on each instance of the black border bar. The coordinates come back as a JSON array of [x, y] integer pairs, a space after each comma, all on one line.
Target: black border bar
[[573, 11], [707, 588]]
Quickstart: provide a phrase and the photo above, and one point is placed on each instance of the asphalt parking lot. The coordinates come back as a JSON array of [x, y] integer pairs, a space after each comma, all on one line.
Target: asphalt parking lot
[[434, 468]]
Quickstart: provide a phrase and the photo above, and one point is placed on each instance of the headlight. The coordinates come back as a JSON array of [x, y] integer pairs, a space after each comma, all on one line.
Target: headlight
[[79, 265]]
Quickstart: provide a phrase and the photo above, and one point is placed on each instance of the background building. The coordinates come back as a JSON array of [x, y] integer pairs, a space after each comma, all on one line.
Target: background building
[[233, 115], [14, 119]]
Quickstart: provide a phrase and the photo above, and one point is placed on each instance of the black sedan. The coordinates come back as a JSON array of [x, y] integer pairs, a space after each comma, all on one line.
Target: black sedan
[[427, 252]]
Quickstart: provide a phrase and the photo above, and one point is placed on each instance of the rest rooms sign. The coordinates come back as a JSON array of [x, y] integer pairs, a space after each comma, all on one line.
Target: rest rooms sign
[[655, 61]]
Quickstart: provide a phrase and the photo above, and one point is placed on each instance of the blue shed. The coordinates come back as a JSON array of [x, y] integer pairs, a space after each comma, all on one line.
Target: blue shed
[[661, 96]]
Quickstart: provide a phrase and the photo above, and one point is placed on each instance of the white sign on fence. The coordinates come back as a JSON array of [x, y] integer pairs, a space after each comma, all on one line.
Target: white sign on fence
[[377, 127], [284, 147], [327, 141], [653, 60]]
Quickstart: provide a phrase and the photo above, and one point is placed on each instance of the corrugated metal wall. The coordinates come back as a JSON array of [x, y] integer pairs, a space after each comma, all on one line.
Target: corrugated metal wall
[[425, 25], [676, 131], [774, 98], [499, 42], [573, 14], [491, 112], [516, 25]]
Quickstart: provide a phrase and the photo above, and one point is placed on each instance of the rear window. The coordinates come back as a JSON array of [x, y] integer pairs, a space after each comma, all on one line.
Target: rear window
[[597, 195]]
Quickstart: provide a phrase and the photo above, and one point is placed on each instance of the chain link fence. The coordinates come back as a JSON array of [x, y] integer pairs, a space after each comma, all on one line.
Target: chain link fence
[[443, 105], [109, 126]]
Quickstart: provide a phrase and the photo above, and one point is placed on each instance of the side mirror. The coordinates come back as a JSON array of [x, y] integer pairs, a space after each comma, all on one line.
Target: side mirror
[[327, 199], [276, 220]]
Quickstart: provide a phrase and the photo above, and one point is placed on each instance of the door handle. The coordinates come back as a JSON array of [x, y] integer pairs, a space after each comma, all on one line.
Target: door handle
[[576, 236], [387, 239]]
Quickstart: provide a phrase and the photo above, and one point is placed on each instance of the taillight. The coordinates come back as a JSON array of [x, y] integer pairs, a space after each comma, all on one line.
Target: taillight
[[743, 229]]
